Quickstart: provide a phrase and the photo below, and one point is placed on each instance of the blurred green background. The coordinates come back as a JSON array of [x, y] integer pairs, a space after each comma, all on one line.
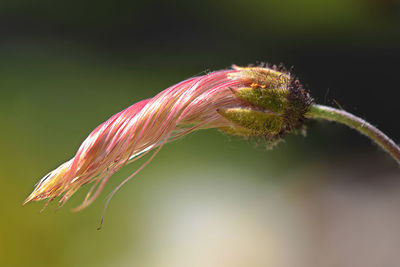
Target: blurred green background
[[331, 199]]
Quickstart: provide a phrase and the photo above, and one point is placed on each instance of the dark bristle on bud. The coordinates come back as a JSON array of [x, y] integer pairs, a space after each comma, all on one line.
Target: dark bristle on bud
[[300, 102]]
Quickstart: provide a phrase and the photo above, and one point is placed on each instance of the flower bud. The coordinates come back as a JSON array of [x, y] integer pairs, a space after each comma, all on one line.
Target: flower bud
[[274, 104], [249, 101]]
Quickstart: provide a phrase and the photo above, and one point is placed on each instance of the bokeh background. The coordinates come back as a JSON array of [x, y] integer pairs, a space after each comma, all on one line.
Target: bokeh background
[[330, 199]]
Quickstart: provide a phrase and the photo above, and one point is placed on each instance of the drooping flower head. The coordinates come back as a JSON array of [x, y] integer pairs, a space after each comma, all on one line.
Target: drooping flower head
[[243, 101]]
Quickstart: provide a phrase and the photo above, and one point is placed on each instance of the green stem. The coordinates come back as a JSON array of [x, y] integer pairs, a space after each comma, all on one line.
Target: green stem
[[362, 126]]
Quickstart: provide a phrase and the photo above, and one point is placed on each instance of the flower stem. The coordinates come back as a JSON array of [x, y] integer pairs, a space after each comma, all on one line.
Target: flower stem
[[362, 126]]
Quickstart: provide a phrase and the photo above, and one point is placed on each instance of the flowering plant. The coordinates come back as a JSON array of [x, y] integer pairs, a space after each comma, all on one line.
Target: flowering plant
[[244, 101]]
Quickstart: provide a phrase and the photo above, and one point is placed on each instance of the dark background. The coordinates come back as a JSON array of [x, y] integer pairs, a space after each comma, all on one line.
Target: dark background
[[65, 67]]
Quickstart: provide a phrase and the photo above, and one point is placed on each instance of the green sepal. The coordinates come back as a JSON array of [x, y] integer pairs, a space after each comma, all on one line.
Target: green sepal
[[256, 122], [262, 76], [275, 100]]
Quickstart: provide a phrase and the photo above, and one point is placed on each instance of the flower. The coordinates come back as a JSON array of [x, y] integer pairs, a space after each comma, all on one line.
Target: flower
[[243, 101]]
